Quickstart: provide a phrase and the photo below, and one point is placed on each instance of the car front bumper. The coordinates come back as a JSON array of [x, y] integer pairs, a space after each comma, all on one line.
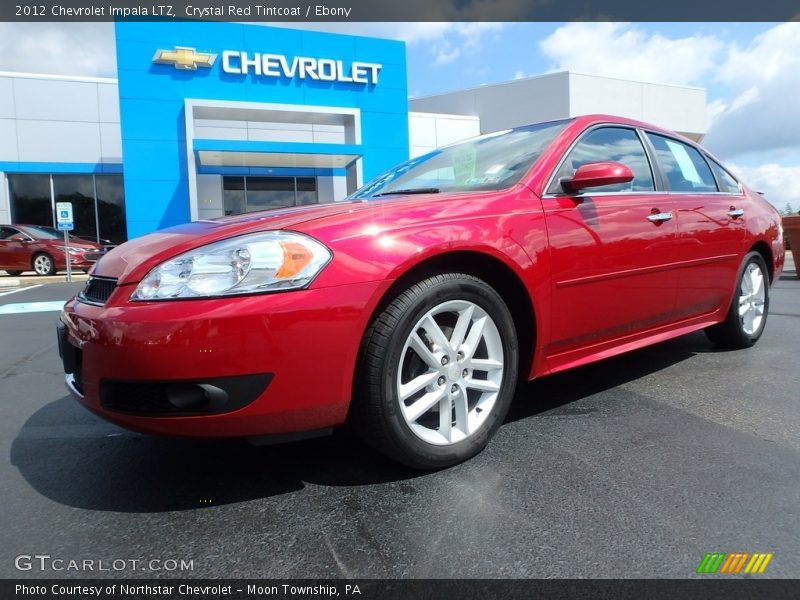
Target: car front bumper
[[264, 364]]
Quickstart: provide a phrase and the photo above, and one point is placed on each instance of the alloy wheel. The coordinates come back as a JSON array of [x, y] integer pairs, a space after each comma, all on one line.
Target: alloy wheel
[[752, 296], [450, 374]]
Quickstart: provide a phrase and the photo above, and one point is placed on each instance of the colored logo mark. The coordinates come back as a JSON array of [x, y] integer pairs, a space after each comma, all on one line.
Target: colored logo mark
[[184, 59], [732, 564]]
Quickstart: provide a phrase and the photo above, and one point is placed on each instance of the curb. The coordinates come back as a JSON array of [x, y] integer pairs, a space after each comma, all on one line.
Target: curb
[[39, 280]]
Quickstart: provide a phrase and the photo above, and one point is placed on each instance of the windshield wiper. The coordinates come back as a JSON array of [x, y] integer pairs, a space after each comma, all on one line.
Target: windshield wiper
[[428, 190]]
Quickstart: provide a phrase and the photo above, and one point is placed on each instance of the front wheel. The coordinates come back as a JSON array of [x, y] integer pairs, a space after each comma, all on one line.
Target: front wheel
[[749, 308], [437, 372], [43, 264]]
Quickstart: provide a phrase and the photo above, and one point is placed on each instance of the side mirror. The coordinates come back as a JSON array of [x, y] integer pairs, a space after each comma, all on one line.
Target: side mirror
[[597, 174]]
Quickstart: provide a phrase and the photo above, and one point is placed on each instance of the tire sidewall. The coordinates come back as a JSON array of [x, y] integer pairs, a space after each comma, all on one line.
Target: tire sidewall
[[484, 296], [733, 313]]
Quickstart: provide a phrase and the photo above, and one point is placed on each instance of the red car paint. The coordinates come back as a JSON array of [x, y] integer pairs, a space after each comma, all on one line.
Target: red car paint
[[18, 249], [600, 277]]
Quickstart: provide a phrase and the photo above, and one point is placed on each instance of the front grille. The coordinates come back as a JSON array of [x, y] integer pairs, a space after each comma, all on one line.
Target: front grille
[[93, 255], [98, 290]]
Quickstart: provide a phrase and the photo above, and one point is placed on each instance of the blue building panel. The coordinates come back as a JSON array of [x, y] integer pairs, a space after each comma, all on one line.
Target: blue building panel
[[152, 100]]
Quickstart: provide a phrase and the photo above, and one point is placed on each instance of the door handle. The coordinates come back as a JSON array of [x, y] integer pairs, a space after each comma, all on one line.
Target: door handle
[[659, 217], [735, 213]]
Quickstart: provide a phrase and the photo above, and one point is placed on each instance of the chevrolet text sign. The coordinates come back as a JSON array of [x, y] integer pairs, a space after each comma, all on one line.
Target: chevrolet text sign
[[302, 67], [237, 62]]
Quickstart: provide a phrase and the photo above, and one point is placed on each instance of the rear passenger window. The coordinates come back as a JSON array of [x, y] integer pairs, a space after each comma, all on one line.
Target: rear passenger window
[[685, 168], [608, 144], [726, 183]]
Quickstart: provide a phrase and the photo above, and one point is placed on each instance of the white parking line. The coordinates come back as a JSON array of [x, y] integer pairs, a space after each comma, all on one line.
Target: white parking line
[[30, 287], [31, 307]]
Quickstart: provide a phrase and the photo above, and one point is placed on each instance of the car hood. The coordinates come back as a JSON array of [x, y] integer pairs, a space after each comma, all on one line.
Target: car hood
[[131, 261]]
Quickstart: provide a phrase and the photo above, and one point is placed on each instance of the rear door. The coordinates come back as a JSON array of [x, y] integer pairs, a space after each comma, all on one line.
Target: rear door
[[610, 247], [711, 225]]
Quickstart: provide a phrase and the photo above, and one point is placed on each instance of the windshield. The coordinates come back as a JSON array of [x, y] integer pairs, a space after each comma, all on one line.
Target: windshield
[[43, 233], [489, 162]]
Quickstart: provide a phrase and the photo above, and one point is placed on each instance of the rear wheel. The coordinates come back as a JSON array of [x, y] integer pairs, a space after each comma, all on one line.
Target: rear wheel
[[43, 264], [749, 308], [13, 273], [437, 372]]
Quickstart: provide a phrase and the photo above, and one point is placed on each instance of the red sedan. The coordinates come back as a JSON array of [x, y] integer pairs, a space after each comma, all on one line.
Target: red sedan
[[412, 309], [41, 249]]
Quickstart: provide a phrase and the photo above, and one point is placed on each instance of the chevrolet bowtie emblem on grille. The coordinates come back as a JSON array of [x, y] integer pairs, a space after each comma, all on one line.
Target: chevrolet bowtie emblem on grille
[[184, 59]]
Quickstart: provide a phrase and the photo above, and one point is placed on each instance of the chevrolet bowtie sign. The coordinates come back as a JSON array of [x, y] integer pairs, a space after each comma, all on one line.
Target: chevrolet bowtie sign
[[236, 62], [184, 59]]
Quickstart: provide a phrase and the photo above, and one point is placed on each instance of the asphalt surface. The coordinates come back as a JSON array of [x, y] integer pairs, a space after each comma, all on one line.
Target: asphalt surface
[[633, 467]]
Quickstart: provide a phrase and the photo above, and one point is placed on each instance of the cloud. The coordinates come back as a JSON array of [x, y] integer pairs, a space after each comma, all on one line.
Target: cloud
[[779, 184], [629, 52], [761, 113], [58, 48]]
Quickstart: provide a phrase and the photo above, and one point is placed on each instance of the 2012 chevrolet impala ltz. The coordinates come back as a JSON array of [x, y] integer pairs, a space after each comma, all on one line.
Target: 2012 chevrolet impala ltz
[[411, 309]]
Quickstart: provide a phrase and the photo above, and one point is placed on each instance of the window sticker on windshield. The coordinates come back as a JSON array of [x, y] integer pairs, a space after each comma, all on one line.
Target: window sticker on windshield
[[685, 163], [464, 164]]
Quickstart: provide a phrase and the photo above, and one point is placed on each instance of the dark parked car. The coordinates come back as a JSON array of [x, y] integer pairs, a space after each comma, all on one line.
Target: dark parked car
[[41, 249], [423, 299]]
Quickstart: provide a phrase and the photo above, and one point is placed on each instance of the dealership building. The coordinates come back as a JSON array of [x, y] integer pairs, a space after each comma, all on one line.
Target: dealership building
[[213, 119]]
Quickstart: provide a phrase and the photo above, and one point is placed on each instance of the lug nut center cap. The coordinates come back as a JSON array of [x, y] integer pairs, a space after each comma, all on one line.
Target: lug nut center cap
[[454, 372]]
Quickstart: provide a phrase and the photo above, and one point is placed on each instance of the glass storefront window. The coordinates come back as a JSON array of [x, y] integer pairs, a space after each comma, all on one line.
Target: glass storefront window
[[264, 193], [79, 190], [250, 194], [30, 199], [233, 195], [111, 208], [96, 200]]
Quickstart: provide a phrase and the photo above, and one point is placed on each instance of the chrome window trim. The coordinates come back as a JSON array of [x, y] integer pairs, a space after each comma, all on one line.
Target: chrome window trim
[[575, 142], [645, 193], [641, 131]]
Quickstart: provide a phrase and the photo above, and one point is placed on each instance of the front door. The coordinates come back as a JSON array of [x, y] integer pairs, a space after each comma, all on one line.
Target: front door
[[610, 247]]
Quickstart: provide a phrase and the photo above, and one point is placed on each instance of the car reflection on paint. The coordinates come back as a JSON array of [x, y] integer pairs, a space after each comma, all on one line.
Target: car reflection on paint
[[411, 310]]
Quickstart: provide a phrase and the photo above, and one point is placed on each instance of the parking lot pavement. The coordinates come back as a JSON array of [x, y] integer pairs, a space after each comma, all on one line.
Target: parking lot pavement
[[31, 279], [633, 467]]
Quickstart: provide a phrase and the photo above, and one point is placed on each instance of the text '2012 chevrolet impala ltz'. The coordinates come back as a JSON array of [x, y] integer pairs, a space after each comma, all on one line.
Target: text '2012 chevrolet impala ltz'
[[411, 309]]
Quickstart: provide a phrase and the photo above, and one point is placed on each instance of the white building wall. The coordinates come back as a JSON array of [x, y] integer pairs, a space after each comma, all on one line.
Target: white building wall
[[428, 131], [504, 105], [5, 213], [47, 118], [566, 94], [679, 108], [209, 197]]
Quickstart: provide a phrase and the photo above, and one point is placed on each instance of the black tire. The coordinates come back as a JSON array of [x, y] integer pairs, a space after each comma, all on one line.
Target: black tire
[[376, 412], [13, 273], [43, 264], [732, 333]]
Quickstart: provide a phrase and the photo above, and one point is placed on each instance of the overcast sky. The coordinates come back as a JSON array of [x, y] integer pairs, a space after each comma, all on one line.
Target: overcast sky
[[751, 71]]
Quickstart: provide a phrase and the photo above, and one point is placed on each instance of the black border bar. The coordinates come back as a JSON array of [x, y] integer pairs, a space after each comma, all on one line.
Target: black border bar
[[713, 588], [407, 10]]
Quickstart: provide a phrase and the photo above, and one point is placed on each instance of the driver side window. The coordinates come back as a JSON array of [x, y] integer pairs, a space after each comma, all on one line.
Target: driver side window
[[9, 233], [608, 144]]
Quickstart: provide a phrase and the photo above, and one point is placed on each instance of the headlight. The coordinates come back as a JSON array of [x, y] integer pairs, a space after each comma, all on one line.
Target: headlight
[[76, 251], [258, 262]]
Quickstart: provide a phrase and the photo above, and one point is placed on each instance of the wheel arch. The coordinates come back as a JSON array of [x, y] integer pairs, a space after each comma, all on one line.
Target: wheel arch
[[764, 250], [488, 268]]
